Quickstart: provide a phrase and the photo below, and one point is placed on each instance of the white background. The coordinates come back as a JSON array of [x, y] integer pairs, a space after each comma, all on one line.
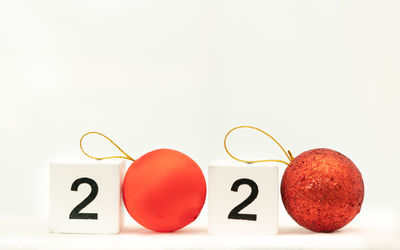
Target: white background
[[180, 74]]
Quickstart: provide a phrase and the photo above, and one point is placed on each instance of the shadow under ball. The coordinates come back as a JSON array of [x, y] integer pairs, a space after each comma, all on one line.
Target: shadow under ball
[[164, 190], [322, 190]]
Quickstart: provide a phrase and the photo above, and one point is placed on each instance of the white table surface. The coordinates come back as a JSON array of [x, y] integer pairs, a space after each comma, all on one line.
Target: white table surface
[[18, 232]]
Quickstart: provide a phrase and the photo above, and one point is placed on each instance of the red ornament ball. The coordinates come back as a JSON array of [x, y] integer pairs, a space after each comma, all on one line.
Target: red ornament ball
[[322, 190], [164, 190]]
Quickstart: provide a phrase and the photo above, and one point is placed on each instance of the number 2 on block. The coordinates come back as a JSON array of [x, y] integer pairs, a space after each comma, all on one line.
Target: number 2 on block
[[75, 213], [234, 214]]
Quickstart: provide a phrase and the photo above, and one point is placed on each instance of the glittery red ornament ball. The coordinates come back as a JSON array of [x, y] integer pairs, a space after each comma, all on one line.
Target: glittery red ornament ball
[[322, 190]]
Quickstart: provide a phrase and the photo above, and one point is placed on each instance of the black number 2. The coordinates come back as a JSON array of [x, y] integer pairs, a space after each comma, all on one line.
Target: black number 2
[[234, 214], [75, 213]]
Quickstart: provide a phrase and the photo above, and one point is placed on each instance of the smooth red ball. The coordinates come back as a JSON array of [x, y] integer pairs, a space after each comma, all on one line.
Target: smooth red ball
[[322, 190], [164, 190]]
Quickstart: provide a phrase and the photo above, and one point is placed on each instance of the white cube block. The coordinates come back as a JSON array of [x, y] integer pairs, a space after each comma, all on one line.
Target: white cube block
[[243, 199], [86, 198]]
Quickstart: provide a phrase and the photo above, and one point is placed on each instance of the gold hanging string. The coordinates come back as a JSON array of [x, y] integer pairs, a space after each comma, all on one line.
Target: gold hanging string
[[288, 153], [108, 157]]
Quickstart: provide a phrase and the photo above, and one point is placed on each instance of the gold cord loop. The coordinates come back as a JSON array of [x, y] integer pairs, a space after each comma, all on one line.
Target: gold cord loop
[[288, 153], [109, 157]]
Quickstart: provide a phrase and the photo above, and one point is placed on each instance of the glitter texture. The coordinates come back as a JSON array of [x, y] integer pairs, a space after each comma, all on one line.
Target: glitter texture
[[322, 190]]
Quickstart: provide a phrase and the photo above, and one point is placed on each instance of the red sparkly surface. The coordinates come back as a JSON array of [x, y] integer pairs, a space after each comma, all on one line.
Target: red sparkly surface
[[322, 190]]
